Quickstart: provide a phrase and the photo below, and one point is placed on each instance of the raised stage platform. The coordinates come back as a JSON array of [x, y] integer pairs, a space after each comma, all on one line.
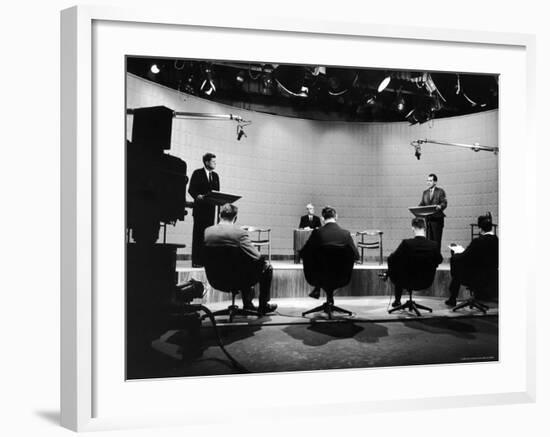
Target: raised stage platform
[[289, 282]]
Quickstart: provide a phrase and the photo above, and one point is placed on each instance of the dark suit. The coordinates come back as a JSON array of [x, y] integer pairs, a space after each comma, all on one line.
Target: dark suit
[[305, 222], [413, 264], [435, 222], [203, 212], [231, 235], [331, 234], [477, 268]]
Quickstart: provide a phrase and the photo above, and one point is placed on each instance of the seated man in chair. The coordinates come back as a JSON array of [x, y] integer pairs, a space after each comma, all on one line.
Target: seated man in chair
[[414, 261], [226, 233], [330, 234], [476, 266]]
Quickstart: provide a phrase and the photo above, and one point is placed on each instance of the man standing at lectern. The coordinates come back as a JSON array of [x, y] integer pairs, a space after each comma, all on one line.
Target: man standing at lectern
[[434, 196], [203, 180]]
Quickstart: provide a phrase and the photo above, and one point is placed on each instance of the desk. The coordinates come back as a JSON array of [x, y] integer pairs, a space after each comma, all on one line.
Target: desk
[[300, 238]]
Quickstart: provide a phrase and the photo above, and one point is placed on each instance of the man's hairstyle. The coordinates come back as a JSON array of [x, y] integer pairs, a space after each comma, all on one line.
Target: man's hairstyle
[[228, 211], [310, 204], [485, 222], [418, 223], [328, 212], [434, 176], [207, 157]]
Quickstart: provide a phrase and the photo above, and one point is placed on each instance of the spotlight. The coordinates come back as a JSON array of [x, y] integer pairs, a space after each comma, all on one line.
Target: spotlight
[[370, 99], [155, 69], [385, 82], [207, 86], [411, 117], [240, 76], [399, 102]]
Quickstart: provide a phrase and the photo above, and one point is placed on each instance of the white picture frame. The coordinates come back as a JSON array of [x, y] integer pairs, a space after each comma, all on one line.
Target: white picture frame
[[83, 388]]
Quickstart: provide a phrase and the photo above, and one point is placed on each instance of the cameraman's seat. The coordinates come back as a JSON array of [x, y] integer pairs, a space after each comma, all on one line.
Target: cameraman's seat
[[418, 274], [329, 268], [486, 288], [229, 269], [472, 303]]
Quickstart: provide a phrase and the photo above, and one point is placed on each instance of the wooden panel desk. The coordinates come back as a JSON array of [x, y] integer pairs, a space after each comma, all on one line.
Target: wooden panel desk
[[300, 238]]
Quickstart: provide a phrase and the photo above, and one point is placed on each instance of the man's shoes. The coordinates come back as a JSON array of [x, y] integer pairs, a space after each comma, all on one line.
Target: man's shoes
[[316, 293], [396, 303], [451, 302], [267, 308]]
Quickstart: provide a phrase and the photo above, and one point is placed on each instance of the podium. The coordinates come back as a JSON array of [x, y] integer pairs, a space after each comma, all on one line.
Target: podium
[[218, 199], [300, 238], [423, 211]]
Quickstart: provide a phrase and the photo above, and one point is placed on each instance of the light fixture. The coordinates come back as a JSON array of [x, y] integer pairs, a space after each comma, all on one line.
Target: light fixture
[[240, 76], [399, 101], [155, 69], [207, 86], [383, 85]]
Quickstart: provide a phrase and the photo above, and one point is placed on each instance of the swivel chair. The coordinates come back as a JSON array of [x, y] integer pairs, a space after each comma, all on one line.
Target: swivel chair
[[418, 274], [329, 268], [229, 270], [487, 288]]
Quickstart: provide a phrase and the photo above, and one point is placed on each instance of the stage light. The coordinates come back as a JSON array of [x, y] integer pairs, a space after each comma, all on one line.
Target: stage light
[[383, 85], [399, 102], [155, 69], [240, 76], [207, 86], [370, 99]]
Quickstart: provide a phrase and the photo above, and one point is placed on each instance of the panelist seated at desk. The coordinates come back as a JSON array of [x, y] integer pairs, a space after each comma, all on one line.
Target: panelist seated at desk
[[227, 233], [414, 262], [310, 220], [330, 234]]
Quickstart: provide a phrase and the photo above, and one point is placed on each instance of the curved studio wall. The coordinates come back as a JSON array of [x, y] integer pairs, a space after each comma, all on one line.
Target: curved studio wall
[[367, 171]]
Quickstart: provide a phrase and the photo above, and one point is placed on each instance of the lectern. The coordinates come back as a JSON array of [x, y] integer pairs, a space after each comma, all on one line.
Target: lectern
[[423, 211], [218, 198]]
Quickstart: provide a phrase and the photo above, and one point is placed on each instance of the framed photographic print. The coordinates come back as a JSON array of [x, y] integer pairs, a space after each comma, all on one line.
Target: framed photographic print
[[296, 206]]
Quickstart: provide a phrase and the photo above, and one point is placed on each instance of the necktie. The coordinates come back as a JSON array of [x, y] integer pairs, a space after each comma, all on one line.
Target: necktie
[[210, 177], [431, 194]]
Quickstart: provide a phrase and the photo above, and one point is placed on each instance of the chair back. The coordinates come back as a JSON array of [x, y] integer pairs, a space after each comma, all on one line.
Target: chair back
[[230, 269], [330, 267], [419, 274]]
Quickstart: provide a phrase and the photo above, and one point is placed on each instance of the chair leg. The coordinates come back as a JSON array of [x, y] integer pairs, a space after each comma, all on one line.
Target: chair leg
[[315, 310], [472, 303], [328, 307], [233, 310], [411, 305], [341, 310]]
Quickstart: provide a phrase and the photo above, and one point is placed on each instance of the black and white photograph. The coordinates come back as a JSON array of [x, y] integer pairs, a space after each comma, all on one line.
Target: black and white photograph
[[288, 217]]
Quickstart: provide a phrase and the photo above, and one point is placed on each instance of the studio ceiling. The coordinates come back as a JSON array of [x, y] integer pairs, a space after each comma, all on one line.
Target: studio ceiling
[[325, 92]]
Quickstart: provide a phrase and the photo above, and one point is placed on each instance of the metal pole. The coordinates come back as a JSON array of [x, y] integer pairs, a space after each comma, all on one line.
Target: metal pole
[[475, 147]]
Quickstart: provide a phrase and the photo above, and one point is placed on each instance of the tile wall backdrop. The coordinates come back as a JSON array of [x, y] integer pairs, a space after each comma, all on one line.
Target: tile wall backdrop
[[367, 171]]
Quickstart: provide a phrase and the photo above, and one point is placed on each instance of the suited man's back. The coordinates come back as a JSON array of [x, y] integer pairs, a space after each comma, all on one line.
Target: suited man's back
[[414, 262], [331, 234], [477, 266]]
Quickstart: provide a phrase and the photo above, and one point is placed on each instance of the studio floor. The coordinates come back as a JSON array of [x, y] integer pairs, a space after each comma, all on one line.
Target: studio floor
[[286, 341]]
